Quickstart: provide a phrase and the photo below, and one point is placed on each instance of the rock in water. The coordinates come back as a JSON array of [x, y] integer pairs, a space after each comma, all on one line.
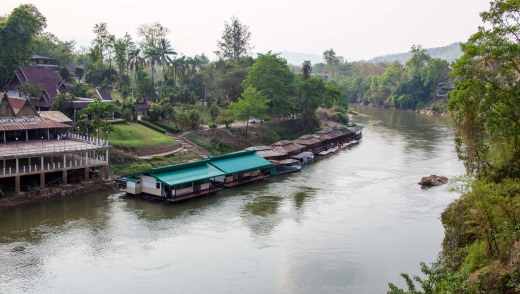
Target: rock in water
[[433, 180]]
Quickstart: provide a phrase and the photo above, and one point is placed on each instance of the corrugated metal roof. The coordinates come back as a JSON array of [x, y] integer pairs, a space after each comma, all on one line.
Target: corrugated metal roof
[[187, 175], [307, 140], [29, 123], [267, 152], [287, 146], [55, 116], [239, 162]]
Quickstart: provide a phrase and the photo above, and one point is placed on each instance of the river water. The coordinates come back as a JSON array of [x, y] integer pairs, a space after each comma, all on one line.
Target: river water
[[349, 223]]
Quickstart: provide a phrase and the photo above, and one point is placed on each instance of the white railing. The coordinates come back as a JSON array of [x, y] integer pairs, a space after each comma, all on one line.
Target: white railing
[[52, 166], [76, 143]]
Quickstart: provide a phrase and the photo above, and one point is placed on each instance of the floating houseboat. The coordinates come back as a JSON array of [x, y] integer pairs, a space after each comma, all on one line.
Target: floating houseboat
[[241, 167], [189, 180]]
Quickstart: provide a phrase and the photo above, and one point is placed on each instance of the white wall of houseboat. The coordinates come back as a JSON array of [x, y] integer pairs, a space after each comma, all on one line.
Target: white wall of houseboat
[[134, 187], [151, 186]]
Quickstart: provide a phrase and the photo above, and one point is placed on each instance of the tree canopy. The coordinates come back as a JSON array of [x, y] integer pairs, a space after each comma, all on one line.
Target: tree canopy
[[17, 34], [235, 40]]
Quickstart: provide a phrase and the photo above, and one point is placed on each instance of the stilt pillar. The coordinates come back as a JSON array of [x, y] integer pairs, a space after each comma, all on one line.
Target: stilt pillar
[[65, 177], [17, 184], [87, 174], [42, 180]]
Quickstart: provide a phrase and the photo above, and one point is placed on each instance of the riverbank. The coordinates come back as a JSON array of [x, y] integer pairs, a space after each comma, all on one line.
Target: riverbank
[[54, 193]]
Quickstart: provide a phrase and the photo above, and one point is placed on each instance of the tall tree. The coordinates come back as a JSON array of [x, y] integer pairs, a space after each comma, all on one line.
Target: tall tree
[[485, 100], [235, 40], [17, 33], [271, 75], [331, 59], [252, 104], [165, 49], [104, 41]]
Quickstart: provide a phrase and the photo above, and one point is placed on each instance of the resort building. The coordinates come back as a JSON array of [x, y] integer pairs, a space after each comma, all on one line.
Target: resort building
[[40, 150]]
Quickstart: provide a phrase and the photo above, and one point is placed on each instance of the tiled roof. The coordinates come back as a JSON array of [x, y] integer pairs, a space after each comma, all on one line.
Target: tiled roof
[[16, 103]]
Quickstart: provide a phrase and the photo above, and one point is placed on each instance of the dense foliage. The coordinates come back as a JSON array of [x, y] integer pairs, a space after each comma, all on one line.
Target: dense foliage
[[481, 247]]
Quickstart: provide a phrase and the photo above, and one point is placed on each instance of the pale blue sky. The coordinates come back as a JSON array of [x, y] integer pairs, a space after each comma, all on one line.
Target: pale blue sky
[[357, 30]]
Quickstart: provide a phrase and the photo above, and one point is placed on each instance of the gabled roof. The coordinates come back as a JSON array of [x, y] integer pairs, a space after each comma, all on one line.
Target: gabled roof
[[103, 94], [6, 110], [22, 107], [51, 81], [239, 162], [142, 107]]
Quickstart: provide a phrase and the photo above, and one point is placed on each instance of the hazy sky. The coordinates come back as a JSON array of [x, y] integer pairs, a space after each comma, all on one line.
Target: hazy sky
[[359, 29]]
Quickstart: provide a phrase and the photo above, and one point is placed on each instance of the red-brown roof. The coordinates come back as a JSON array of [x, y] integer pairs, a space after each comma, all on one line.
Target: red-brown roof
[[103, 94], [50, 80], [16, 103], [141, 107], [307, 140], [287, 146], [268, 152], [29, 123]]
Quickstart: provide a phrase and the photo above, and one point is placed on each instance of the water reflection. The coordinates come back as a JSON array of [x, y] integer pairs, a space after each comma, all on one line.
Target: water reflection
[[420, 132], [260, 215]]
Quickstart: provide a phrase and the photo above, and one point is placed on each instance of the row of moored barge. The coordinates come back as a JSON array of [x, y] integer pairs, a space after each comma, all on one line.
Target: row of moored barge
[[189, 180]]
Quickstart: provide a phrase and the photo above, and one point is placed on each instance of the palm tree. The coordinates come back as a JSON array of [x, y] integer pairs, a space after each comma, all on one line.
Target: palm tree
[[152, 56], [306, 69], [135, 60], [165, 50], [177, 68]]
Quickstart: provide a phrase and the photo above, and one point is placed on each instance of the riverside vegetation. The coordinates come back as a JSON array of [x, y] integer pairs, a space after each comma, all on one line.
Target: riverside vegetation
[[481, 247]]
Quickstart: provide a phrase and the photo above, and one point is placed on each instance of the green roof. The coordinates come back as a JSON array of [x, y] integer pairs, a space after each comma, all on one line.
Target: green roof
[[188, 173], [239, 162]]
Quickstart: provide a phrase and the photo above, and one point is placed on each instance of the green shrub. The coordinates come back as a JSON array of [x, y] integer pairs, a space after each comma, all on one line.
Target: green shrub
[[152, 126], [227, 121], [213, 126], [171, 129]]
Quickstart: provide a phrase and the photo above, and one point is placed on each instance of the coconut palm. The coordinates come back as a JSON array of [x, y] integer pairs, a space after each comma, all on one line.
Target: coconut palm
[[152, 57], [134, 62], [165, 50]]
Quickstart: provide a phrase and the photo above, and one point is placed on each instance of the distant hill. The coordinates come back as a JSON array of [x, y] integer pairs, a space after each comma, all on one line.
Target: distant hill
[[449, 53], [298, 58]]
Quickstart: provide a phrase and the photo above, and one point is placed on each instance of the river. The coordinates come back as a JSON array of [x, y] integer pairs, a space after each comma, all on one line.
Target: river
[[349, 223]]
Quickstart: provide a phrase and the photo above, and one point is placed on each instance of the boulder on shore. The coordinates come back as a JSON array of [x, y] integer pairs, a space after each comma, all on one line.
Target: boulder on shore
[[433, 180]]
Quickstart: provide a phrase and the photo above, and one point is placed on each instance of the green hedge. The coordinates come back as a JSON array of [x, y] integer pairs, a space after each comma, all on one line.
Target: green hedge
[[152, 126], [116, 121], [171, 129]]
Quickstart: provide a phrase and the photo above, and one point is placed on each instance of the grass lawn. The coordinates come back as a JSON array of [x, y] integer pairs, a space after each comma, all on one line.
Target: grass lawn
[[140, 165], [138, 137]]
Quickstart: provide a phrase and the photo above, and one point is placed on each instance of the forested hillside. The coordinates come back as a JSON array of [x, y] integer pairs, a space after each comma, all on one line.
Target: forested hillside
[[449, 53]]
